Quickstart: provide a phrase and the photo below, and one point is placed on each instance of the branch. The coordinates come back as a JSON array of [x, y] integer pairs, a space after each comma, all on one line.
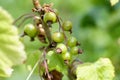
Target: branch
[[36, 4], [47, 31], [38, 8]]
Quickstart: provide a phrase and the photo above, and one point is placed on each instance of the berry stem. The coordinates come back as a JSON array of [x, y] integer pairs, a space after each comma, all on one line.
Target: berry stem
[[25, 17], [45, 63], [47, 31], [60, 26], [43, 60]]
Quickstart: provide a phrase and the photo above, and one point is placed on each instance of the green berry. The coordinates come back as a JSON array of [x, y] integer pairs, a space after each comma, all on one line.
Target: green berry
[[58, 37], [66, 56], [72, 41], [62, 48], [74, 50], [30, 30], [67, 25], [50, 17]]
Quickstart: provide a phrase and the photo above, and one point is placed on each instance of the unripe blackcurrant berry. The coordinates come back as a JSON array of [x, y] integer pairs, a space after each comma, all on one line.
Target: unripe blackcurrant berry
[[67, 25], [72, 41], [58, 37], [61, 48], [50, 17], [74, 50], [66, 56], [30, 30]]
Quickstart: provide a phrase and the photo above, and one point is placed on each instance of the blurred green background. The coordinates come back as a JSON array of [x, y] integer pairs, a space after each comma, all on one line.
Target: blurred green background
[[96, 24]]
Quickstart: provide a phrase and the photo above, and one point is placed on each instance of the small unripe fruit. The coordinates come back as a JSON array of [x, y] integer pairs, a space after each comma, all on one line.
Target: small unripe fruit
[[30, 30], [66, 56], [58, 37], [74, 50], [50, 17], [62, 48], [67, 25], [72, 41]]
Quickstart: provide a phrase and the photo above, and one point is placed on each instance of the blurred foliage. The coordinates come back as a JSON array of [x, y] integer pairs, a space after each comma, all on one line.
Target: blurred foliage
[[11, 49], [113, 2], [96, 24]]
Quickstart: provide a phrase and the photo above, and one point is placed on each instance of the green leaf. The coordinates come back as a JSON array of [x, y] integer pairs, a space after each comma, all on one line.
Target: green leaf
[[11, 49], [100, 70], [113, 2], [5, 16], [56, 62], [65, 77]]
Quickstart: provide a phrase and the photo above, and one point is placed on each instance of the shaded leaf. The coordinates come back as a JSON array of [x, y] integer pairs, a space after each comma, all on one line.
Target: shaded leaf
[[65, 77], [55, 61]]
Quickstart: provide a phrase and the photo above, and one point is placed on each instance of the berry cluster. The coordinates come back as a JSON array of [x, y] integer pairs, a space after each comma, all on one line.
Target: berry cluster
[[61, 41], [67, 46]]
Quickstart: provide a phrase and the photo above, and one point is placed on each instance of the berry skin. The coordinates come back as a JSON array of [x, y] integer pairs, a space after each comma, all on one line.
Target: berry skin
[[74, 50], [67, 25], [66, 56], [50, 17], [30, 30], [61, 48], [58, 37], [72, 41]]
